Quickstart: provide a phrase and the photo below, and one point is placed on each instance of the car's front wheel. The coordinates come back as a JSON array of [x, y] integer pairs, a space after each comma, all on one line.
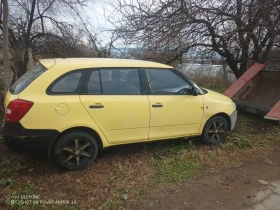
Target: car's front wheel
[[215, 130], [75, 150]]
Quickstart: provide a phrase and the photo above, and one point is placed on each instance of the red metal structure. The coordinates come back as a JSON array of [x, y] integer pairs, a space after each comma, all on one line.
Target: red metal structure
[[257, 91]]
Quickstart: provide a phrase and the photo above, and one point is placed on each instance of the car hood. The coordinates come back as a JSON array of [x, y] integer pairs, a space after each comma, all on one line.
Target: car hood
[[216, 95]]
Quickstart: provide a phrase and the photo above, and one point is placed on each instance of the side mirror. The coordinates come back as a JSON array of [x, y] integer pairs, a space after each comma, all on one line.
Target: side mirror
[[195, 92]]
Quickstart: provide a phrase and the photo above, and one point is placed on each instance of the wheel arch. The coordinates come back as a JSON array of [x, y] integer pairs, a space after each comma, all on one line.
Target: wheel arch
[[224, 115], [79, 128], [209, 122]]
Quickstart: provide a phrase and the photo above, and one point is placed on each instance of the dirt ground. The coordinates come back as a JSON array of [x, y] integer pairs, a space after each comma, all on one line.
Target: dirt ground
[[170, 174], [234, 188]]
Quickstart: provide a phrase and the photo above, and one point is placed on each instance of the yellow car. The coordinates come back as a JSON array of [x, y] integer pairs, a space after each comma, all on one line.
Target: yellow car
[[69, 109]]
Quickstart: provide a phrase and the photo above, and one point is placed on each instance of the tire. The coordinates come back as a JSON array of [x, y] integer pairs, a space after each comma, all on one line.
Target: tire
[[215, 130], [75, 150]]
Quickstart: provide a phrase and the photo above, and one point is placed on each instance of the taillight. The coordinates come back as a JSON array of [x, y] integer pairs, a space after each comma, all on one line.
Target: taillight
[[17, 109]]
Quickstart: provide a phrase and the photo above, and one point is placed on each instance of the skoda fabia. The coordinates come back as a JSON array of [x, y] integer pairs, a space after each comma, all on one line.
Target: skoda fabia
[[69, 109]]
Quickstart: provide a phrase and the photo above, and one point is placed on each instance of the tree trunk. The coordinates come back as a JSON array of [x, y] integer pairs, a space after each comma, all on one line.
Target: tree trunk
[[233, 66], [6, 65], [226, 74]]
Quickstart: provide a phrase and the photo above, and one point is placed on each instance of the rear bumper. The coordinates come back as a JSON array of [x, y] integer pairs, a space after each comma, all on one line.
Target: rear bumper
[[233, 118], [28, 141]]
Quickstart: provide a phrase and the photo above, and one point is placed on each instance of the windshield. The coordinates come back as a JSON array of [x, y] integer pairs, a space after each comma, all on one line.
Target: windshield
[[27, 79]]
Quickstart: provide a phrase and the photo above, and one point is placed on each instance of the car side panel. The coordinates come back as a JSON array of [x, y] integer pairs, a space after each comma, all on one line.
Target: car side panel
[[214, 106], [55, 111], [123, 119], [180, 115]]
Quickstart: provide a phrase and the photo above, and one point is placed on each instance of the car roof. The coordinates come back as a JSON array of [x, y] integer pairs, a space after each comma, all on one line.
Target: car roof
[[100, 63]]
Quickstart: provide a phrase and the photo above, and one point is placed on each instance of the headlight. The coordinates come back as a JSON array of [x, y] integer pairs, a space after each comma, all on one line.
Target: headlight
[[233, 104]]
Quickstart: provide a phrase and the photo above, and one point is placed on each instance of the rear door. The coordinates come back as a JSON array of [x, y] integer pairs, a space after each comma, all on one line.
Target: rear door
[[114, 100]]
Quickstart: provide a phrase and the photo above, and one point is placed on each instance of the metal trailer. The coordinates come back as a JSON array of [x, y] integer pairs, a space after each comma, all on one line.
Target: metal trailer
[[257, 91]]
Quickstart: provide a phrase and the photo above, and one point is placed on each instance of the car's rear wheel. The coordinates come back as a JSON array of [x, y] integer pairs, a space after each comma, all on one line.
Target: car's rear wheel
[[75, 150], [215, 130]]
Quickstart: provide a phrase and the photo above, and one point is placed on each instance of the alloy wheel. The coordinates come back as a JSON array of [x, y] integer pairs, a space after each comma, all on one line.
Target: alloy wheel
[[76, 151], [216, 131]]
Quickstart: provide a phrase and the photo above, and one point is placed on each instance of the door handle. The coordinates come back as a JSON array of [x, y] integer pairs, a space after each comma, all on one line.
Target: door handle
[[157, 105], [96, 106]]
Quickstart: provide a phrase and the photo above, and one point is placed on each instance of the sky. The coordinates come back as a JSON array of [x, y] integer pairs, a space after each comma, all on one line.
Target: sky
[[96, 12]]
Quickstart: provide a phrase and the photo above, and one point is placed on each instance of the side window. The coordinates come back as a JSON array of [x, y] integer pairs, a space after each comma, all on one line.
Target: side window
[[93, 86], [120, 81], [67, 83], [165, 82], [27, 79]]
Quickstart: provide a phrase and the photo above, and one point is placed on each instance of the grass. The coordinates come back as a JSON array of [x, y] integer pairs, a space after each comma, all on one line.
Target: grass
[[176, 170], [215, 84], [123, 176], [176, 161]]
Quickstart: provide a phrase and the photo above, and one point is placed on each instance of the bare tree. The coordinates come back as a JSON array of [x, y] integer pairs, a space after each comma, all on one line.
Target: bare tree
[[6, 65], [238, 30], [41, 26], [273, 61]]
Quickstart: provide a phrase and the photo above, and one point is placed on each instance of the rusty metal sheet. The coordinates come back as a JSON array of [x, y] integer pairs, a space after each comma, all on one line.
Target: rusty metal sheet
[[274, 113], [265, 89], [258, 91], [244, 79]]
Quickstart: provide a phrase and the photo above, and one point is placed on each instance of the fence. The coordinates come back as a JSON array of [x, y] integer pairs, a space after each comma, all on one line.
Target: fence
[[208, 75]]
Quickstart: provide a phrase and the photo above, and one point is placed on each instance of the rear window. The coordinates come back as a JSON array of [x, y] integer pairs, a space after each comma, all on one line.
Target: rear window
[[27, 79]]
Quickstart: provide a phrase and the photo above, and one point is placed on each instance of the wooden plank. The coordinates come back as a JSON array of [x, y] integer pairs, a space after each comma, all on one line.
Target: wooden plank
[[274, 113], [244, 79]]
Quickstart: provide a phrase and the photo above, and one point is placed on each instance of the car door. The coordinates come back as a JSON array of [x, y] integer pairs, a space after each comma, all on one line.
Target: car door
[[114, 100], [175, 111]]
